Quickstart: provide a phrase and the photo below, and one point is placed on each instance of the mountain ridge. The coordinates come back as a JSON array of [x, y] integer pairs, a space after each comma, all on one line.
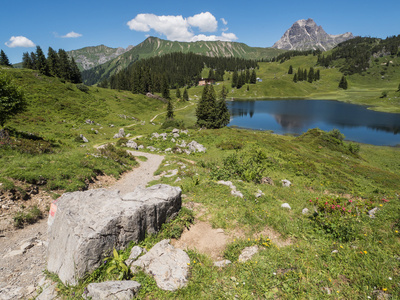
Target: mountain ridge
[[307, 35]]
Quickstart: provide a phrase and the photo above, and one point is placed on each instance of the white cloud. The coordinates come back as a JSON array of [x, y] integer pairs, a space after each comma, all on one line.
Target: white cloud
[[225, 22], [72, 35], [178, 28], [19, 41], [206, 22]]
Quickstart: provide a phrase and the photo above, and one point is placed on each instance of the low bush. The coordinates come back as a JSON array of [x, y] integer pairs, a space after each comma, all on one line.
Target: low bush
[[29, 217]]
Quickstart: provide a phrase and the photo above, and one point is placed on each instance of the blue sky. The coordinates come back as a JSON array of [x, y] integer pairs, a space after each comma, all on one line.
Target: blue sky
[[119, 23]]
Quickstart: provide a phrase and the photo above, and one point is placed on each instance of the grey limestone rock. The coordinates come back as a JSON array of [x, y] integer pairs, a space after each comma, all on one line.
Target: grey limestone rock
[[113, 290], [84, 227], [196, 147], [286, 205], [286, 183], [132, 144], [248, 253], [169, 266], [120, 134], [85, 140], [222, 263]]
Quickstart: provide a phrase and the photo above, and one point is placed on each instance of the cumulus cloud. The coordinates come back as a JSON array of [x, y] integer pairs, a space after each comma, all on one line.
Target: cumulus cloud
[[72, 34], [178, 28], [206, 22], [19, 41]]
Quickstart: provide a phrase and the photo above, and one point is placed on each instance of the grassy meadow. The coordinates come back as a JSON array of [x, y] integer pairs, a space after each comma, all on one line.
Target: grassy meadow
[[335, 251]]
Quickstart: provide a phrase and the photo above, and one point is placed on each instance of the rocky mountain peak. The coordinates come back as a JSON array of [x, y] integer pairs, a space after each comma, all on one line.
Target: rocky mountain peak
[[307, 35]]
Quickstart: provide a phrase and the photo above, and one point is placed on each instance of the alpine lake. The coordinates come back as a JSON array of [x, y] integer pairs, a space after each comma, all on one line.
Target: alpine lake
[[356, 122]]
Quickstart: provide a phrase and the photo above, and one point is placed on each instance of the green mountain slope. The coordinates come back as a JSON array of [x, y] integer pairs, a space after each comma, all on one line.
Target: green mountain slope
[[90, 57], [153, 46]]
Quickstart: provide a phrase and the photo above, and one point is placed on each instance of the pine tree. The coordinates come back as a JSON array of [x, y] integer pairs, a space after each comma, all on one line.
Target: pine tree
[[170, 110], [311, 75], [41, 62], [253, 77], [234, 79], [75, 73], [223, 93], [206, 108], [317, 75], [64, 71], [165, 88], [343, 83], [300, 74], [240, 81], [53, 62], [4, 59], [398, 89], [27, 61], [33, 60], [247, 76], [223, 116], [178, 93], [295, 78], [305, 74], [290, 71], [185, 95]]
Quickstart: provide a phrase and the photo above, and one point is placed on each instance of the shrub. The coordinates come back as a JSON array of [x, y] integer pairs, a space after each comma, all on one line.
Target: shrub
[[171, 123], [30, 217], [119, 155], [82, 88], [230, 145], [354, 148]]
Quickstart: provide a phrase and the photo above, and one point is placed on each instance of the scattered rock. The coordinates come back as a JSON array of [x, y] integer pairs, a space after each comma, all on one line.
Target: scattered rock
[[155, 135], [120, 134], [372, 212], [259, 194], [151, 148], [140, 147], [135, 252], [175, 135], [88, 121], [121, 290], [85, 140], [286, 205], [237, 193], [305, 211], [334, 251], [222, 263], [172, 173], [267, 180], [169, 266], [132, 144], [175, 130], [248, 253], [286, 183], [234, 192], [196, 147], [84, 227]]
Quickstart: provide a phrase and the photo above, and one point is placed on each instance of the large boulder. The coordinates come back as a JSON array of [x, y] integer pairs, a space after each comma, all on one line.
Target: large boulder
[[84, 227], [196, 147]]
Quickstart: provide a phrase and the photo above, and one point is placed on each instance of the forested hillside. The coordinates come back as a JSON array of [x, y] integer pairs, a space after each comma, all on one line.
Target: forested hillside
[[355, 55], [157, 47], [173, 70]]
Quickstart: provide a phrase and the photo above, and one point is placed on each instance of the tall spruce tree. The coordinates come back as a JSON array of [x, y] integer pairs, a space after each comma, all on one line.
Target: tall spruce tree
[[178, 93], [206, 108], [75, 73], [53, 62], [165, 88], [27, 61], [185, 95], [65, 70], [311, 75], [253, 77], [41, 62], [290, 71], [343, 83], [170, 110], [33, 60], [234, 79], [317, 75], [4, 59]]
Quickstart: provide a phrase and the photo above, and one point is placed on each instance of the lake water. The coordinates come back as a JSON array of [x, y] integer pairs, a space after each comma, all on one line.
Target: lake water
[[356, 122]]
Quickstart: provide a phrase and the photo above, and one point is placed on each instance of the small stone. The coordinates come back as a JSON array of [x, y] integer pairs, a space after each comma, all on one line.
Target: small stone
[[259, 194], [286, 183], [248, 253], [135, 252], [305, 211], [286, 205], [334, 251], [222, 263], [372, 212]]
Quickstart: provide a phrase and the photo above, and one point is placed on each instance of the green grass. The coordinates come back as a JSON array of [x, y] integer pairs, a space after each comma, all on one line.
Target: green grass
[[319, 166]]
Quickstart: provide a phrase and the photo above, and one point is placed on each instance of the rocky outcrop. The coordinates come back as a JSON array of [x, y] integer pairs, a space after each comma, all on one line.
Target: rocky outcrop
[[121, 290], [169, 266], [306, 35], [84, 227]]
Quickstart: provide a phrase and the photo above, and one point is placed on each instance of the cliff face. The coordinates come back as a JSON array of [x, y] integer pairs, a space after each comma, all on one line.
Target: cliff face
[[306, 35]]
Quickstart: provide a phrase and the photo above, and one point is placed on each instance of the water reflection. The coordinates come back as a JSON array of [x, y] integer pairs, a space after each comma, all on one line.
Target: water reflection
[[297, 116]]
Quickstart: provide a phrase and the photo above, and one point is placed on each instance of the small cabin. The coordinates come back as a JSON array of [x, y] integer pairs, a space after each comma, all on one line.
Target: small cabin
[[205, 81]]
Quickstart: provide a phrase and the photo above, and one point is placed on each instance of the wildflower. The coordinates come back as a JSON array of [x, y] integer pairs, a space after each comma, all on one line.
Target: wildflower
[[390, 278], [380, 205], [326, 203], [396, 231], [344, 208], [350, 200], [365, 252], [188, 264], [384, 289], [341, 246]]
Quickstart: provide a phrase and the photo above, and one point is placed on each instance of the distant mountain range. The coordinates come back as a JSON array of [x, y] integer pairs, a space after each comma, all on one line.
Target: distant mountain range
[[100, 62], [90, 57], [306, 35], [153, 46]]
